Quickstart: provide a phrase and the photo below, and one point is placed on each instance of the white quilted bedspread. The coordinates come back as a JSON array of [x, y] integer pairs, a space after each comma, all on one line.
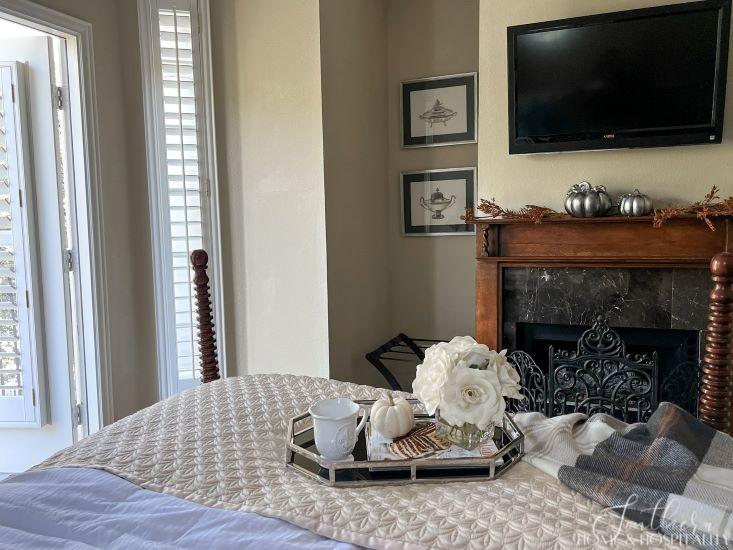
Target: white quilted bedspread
[[222, 445]]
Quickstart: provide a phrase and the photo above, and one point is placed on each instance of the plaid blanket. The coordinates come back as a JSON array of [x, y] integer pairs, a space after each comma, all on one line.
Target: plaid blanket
[[673, 473]]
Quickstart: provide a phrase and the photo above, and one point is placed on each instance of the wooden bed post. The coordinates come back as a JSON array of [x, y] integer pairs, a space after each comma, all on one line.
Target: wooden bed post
[[715, 392], [207, 338]]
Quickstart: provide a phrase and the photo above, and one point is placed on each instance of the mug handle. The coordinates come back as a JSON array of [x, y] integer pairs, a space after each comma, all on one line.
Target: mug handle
[[363, 422]]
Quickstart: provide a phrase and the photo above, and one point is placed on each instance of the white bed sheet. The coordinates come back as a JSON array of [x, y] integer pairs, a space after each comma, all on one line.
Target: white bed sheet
[[83, 508]]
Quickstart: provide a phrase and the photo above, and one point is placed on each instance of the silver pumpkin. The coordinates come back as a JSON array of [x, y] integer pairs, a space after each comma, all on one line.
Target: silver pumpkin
[[584, 201], [635, 204]]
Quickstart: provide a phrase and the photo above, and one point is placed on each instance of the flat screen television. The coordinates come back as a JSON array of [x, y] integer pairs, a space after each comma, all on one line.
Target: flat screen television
[[641, 78]]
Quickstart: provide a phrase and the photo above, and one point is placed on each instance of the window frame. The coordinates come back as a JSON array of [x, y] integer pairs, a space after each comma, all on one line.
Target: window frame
[[158, 177]]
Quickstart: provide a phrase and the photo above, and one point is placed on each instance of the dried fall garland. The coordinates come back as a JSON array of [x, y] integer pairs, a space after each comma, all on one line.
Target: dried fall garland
[[530, 212], [702, 210]]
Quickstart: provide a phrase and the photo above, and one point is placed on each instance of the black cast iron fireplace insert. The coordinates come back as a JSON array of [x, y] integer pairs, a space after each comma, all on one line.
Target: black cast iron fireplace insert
[[623, 372]]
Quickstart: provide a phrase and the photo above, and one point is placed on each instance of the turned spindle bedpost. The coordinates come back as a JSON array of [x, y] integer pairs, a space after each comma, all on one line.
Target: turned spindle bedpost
[[207, 337], [715, 391]]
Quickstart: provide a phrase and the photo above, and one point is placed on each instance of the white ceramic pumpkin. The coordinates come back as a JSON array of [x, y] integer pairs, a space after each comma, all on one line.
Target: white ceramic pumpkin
[[392, 416]]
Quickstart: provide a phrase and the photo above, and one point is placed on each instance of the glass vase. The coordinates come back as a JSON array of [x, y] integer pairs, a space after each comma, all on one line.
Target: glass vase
[[468, 436]]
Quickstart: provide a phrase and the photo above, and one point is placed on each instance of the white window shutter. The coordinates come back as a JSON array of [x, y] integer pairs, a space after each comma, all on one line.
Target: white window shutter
[[179, 144], [21, 395]]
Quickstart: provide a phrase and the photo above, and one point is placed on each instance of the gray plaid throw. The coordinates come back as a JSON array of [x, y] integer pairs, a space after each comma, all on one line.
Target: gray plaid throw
[[673, 473]]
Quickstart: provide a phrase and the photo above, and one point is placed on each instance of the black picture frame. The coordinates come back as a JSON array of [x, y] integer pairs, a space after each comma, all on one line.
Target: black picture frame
[[409, 137], [410, 227]]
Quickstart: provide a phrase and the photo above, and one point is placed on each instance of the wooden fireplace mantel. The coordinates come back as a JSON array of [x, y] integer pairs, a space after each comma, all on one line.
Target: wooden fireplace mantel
[[612, 242]]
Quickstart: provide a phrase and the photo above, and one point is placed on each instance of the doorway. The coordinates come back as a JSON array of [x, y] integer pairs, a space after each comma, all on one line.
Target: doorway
[[50, 385]]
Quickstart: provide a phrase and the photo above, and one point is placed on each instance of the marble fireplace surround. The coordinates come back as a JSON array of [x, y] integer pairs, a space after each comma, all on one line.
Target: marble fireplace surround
[[660, 298], [654, 310]]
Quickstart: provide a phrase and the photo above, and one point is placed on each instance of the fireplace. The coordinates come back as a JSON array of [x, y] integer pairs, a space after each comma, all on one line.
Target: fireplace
[[658, 311], [541, 284]]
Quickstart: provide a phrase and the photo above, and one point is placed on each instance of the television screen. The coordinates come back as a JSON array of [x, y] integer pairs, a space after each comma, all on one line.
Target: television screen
[[641, 78]]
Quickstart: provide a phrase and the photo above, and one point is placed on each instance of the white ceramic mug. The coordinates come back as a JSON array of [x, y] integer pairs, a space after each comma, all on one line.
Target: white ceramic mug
[[334, 426]]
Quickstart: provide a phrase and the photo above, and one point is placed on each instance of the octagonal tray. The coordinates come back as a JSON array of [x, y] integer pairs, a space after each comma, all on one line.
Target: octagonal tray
[[303, 457]]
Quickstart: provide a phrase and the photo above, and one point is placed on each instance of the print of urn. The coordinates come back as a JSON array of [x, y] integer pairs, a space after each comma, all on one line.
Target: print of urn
[[437, 204]]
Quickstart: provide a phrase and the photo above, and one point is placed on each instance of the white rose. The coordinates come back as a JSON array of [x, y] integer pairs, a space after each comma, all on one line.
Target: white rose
[[465, 351], [440, 347], [462, 343], [431, 376], [472, 396], [508, 376], [478, 354]]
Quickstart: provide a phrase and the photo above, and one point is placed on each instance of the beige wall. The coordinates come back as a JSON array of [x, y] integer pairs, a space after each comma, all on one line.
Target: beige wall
[[146, 387], [354, 82], [381, 283], [267, 86], [679, 173], [124, 202], [432, 285]]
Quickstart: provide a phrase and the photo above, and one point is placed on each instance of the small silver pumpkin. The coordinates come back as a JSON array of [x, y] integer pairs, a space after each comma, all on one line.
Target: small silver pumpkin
[[584, 201], [635, 204]]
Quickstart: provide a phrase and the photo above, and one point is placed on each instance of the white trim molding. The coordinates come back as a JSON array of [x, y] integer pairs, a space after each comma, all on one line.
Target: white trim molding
[[158, 177], [82, 83]]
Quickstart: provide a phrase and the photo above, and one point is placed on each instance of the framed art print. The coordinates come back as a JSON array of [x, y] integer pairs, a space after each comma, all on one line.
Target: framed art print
[[433, 201], [439, 111]]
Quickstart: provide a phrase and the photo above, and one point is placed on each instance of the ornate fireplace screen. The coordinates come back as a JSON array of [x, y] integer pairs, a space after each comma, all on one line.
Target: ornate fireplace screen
[[600, 376]]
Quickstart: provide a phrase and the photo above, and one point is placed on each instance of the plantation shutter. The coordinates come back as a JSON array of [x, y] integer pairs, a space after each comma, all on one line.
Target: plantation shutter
[[178, 128], [184, 185], [20, 395]]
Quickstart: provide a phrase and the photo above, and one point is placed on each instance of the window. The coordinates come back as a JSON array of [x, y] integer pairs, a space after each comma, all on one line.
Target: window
[[181, 168], [20, 384]]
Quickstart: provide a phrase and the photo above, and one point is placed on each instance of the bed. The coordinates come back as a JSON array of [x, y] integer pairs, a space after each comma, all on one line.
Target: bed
[[91, 508], [221, 445]]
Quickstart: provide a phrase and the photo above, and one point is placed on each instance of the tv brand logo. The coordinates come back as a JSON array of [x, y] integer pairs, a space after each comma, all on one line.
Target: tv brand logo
[[609, 136]]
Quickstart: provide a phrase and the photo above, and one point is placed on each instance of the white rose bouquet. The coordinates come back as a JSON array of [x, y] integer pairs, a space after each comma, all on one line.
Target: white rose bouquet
[[466, 382]]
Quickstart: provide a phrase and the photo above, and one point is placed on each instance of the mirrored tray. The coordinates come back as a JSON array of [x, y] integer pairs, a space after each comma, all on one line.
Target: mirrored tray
[[303, 457]]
